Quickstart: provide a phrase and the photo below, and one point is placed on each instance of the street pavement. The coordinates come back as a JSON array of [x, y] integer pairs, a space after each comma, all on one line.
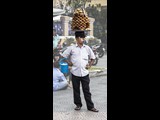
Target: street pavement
[[63, 106], [102, 63]]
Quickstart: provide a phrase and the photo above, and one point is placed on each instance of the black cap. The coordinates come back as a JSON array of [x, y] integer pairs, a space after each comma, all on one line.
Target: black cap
[[80, 34]]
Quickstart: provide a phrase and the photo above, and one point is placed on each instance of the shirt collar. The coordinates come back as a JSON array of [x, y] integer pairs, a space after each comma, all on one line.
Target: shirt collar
[[83, 45]]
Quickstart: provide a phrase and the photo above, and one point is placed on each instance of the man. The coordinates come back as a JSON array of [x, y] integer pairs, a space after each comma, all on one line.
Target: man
[[59, 80], [56, 39], [79, 56]]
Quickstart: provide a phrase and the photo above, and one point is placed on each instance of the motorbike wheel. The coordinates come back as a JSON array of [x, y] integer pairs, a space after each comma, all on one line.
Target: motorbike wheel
[[95, 61], [101, 53]]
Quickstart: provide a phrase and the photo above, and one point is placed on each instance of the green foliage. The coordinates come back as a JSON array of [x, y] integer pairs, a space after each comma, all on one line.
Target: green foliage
[[100, 24], [77, 3], [70, 41]]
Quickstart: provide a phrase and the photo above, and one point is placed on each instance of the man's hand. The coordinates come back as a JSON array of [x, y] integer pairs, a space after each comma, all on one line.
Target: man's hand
[[70, 63], [88, 66]]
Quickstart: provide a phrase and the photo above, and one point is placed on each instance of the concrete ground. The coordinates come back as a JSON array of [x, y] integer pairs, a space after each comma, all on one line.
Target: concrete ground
[[63, 106]]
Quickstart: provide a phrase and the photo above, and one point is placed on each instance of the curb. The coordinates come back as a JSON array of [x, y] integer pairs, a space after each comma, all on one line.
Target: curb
[[97, 73]]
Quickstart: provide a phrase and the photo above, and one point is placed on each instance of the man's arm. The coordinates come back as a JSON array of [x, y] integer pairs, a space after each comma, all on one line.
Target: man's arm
[[90, 64], [69, 62], [66, 54], [92, 58]]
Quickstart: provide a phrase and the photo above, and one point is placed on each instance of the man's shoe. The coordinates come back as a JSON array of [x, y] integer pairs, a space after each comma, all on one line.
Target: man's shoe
[[93, 110], [77, 108]]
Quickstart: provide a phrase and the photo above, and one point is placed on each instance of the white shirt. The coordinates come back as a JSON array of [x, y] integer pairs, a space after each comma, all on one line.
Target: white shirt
[[59, 79], [79, 58]]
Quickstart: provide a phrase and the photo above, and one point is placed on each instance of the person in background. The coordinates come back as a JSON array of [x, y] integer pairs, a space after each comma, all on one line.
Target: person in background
[[56, 39], [59, 80]]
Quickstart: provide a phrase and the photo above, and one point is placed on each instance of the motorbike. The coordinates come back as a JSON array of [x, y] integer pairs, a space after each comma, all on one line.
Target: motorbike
[[94, 48], [58, 51], [100, 50]]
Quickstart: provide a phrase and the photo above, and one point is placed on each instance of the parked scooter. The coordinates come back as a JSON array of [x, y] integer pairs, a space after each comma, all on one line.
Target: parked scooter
[[101, 51], [58, 51], [94, 48]]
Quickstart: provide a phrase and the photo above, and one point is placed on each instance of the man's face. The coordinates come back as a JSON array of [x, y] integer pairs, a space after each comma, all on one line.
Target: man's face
[[80, 40]]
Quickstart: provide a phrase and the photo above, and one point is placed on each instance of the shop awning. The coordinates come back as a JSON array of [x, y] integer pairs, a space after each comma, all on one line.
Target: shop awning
[[58, 11], [58, 18]]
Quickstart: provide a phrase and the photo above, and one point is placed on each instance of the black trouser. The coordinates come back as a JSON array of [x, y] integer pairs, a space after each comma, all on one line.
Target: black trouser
[[86, 90]]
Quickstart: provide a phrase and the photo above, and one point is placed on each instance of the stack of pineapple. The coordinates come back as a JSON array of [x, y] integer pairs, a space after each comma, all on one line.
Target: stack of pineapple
[[80, 20]]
